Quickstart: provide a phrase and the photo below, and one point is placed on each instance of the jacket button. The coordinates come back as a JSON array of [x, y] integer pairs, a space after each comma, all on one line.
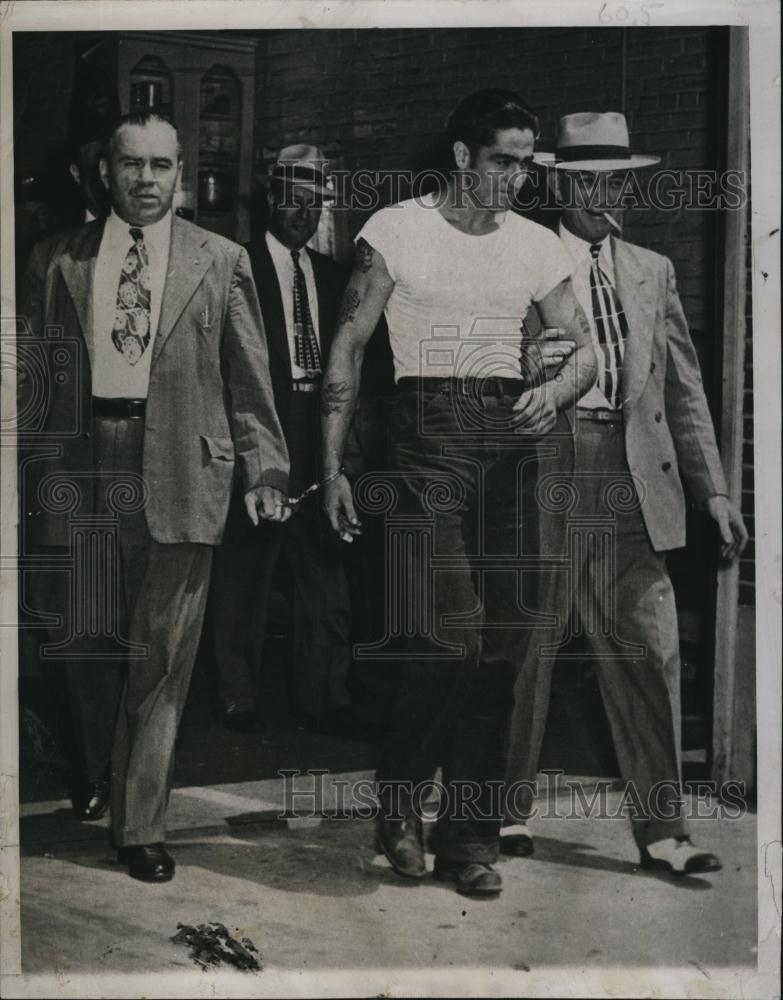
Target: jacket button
[[658, 417], [86, 435], [666, 466], [652, 367]]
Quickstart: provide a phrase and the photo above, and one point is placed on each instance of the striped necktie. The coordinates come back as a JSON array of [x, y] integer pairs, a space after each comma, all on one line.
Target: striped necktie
[[306, 353], [612, 329]]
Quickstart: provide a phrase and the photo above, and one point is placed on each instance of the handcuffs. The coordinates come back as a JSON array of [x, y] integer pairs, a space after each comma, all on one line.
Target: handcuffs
[[294, 502]]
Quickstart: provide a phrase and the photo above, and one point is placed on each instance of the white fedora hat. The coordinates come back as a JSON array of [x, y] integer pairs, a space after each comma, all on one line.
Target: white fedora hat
[[588, 140], [304, 166]]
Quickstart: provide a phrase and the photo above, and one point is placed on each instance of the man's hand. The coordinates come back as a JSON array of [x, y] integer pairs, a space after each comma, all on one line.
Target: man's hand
[[733, 533], [541, 358], [338, 504], [536, 411], [268, 502]]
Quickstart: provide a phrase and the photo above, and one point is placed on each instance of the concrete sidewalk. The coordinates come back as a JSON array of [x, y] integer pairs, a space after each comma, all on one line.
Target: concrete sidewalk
[[314, 897]]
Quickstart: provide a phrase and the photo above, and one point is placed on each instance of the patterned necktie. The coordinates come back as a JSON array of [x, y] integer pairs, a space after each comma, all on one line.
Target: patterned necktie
[[612, 329], [306, 353], [131, 332]]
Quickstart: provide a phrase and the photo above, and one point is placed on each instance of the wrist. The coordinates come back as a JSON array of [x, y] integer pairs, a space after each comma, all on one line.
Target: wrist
[[333, 476]]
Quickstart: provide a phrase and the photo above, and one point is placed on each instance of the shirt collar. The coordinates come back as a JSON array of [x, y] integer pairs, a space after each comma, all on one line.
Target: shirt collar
[[156, 236], [280, 252], [580, 250]]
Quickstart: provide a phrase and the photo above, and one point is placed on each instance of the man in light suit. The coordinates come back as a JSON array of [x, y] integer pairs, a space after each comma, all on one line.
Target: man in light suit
[[611, 502], [300, 292], [161, 387]]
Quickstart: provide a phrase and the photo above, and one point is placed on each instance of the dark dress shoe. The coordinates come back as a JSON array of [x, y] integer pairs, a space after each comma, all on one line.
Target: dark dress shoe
[[94, 802], [678, 856], [471, 877], [517, 845], [147, 862], [401, 841]]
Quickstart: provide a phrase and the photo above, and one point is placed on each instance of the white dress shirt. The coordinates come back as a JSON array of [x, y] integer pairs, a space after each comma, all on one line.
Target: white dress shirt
[[112, 376], [579, 250], [284, 269]]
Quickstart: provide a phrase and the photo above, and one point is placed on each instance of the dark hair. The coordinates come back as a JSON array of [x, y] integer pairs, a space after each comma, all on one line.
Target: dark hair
[[143, 117], [478, 117]]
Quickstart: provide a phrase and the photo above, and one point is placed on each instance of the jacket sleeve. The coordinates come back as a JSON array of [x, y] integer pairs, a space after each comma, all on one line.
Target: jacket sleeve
[[687, 413], [258, 438], [33, 288]]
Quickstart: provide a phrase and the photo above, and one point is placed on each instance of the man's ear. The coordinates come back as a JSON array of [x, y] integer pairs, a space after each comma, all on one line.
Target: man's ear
[[555, 181], [103, 170], [461, 154], [75, 173]]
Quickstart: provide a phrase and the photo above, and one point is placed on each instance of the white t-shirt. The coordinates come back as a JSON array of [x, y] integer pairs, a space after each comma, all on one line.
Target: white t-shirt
[[112, 376], [459, 300]]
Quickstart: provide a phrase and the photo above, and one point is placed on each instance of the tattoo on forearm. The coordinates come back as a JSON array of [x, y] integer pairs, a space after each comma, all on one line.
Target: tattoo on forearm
[[350, 304], [335, 396], [364, 256]]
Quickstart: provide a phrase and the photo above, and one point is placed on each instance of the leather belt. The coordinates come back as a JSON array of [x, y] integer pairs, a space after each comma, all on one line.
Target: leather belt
[[128, 409], [600, 416], [493, 385], [305, 385]]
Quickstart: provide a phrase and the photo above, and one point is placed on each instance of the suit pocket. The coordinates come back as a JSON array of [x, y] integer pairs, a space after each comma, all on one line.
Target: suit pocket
[[220, 448]]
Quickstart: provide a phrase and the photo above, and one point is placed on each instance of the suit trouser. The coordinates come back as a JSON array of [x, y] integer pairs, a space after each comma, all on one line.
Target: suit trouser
[[93, 673], [161, 594], [243, 575], [618, 591], [458, 548]]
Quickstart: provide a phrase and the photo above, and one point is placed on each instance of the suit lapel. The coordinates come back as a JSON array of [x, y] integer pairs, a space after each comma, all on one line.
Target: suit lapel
[[326, 310], [636, 291], [77, 267], [271, 300], [189, 261]]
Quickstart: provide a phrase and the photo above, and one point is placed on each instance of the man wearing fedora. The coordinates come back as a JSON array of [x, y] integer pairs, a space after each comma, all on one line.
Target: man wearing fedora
[[300, 291], [624, 451]]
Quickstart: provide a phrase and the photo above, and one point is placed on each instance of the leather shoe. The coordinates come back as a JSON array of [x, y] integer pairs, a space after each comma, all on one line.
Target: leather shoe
[[94, 801], [472, 878], [402, 843], [147, 862], [678, 856], [519, 843]]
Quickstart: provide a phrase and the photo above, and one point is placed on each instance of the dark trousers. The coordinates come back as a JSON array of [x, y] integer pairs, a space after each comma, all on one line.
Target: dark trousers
[[618, 593], [243, 575], [148, 599], [89, 676], [462, 475]]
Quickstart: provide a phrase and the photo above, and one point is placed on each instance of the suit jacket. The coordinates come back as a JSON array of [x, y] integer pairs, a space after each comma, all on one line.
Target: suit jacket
[[209, 404], [668, 428], [330, 281]]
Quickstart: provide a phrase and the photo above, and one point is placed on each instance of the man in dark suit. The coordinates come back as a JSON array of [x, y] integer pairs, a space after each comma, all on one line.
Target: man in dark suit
[[300, 292], [159, 387]]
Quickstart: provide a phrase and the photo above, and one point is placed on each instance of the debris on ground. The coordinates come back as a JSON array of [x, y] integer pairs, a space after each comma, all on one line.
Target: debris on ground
[[211, 946]]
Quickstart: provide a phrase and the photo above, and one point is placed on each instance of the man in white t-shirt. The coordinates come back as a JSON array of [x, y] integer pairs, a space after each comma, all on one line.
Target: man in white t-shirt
[[455, 274]]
